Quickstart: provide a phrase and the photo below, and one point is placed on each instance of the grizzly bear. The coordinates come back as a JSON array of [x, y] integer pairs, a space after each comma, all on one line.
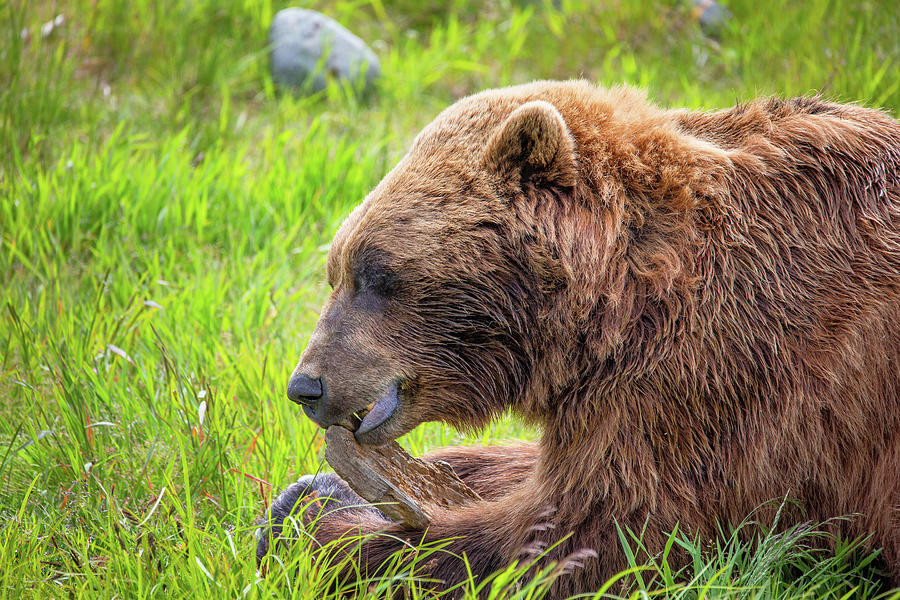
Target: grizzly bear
[[698, 309]]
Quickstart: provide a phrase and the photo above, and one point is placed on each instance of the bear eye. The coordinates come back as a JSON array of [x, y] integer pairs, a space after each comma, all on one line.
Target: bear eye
[[374, 276]]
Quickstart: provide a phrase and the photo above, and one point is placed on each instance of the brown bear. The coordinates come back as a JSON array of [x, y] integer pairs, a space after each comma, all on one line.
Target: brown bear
[[698, 309]]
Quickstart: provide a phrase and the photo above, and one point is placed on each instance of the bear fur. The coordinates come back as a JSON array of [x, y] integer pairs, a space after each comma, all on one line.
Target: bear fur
[[699, 309]]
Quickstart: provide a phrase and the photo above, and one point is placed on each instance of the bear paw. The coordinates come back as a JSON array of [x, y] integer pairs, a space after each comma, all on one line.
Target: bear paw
[[305, 501]]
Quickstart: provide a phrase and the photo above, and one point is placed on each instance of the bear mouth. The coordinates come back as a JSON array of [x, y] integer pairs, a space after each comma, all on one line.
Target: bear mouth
[[378, 412]]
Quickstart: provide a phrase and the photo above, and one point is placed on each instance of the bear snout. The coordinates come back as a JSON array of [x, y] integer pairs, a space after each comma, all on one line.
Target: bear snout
[[311, 394], [305, 390], [360, 411]]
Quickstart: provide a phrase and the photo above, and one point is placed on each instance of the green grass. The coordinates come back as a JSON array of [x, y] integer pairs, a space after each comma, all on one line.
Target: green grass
[[165, 218]]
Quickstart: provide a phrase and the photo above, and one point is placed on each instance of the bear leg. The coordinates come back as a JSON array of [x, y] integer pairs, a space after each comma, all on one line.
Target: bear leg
[[491, 471], [304, 500]]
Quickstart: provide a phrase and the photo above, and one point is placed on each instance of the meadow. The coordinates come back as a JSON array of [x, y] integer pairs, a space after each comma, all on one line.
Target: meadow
[[165, 213]]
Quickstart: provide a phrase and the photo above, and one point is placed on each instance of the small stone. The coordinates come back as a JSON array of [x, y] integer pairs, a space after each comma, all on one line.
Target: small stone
[[307, 48], [711, 16]]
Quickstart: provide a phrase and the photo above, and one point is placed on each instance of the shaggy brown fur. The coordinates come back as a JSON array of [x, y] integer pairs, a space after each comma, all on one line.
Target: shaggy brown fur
[[699, 309]]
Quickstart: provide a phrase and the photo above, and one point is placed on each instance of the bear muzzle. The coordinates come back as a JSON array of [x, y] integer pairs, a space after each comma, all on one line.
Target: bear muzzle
[[312, 394], [305, 390]]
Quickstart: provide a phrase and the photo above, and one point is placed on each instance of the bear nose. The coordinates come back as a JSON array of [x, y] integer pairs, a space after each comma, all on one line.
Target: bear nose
[[304, 390]]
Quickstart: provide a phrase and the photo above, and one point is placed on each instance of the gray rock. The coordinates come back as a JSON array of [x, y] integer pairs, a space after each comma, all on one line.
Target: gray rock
[[307, 47], [711, 16]]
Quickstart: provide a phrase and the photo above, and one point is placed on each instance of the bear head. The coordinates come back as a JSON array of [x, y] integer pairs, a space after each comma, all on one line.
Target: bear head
[[442, 279]]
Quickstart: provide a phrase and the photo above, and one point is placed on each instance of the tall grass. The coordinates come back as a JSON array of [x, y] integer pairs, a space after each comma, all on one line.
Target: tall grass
[[164, 217]]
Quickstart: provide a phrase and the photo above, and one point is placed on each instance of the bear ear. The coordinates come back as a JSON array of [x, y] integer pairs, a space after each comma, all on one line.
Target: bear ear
[[533, 144]]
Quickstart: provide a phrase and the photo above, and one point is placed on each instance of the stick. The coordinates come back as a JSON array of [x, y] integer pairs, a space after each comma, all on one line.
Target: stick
[[405, 488]]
